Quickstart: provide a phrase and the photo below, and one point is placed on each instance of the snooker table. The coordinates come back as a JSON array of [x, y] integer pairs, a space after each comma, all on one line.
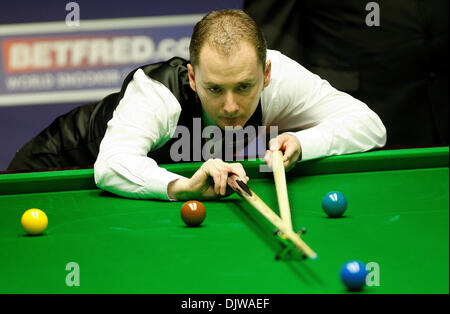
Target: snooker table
[[397, 217]]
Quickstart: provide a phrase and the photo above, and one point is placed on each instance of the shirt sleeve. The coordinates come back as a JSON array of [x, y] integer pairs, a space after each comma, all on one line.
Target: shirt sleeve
[[145, 118], [325, 121]]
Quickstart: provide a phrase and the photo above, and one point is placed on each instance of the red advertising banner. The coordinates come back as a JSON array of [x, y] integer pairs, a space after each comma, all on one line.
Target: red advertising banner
[[53, 62]]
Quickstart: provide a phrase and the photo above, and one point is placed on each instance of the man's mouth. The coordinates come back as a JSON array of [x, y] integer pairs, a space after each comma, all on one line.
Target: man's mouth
[[230, 120]]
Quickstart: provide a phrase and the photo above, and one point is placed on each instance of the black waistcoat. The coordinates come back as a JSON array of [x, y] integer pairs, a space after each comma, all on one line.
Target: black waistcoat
[[73, 139]]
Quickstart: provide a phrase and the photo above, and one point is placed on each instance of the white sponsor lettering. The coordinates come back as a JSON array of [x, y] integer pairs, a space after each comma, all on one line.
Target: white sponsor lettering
[[72, 53]]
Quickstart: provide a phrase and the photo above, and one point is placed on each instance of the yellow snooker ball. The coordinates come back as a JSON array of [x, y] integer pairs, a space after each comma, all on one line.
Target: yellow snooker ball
[[34, 221]]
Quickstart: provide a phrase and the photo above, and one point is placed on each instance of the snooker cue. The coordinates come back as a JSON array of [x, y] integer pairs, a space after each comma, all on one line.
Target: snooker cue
[[279, 176], [244, 191]]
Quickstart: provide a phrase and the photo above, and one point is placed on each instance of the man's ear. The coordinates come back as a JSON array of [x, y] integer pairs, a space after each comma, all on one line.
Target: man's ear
[[191, 77], [267, 74]]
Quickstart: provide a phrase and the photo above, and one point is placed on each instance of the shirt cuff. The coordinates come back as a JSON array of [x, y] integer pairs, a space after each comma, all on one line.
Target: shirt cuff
[[313, 144], [158, 187]]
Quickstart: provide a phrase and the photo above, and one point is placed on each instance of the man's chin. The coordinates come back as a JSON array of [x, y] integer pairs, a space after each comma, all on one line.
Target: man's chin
[[231, 124]]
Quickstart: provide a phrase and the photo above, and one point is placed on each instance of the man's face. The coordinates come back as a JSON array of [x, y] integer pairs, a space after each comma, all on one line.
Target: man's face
[[229, 87]]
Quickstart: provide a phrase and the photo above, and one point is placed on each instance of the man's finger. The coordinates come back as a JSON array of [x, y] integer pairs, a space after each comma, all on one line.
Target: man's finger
[[239, 170], [275, 144], [288, 153], [268, 158], [214, 172], [223, 181]]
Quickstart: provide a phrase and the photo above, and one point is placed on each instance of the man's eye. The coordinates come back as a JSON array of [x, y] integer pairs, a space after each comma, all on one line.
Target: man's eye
[[214, 90], [244, 87]]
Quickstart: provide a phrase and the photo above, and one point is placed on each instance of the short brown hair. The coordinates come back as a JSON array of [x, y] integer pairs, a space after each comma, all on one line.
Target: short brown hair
[[223, 30]]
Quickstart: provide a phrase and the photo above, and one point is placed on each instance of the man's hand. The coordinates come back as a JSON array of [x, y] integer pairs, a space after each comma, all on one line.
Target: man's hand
[[208, 182], [289, 145]]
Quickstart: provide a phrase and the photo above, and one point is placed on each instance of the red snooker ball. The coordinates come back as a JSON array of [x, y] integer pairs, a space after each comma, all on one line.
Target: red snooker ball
[[193, 213]]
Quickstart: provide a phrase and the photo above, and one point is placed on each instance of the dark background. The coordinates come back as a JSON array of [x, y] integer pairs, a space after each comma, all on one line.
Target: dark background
[[400, 68]]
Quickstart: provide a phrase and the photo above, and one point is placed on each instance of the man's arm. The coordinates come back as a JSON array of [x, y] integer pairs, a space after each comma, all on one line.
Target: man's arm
[[145, 118], [328, 122]]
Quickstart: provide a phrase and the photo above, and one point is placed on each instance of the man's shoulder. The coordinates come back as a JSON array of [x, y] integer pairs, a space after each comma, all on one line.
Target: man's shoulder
[[276, 57], [162, 71], [281, 68], [173, 65], [272, 52], [172, 73]]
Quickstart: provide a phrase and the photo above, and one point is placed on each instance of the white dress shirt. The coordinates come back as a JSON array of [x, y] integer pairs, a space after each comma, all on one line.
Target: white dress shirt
[[330, 123]]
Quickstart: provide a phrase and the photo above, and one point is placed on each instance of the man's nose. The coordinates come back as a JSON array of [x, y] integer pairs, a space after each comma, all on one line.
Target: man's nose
[[231, 106]]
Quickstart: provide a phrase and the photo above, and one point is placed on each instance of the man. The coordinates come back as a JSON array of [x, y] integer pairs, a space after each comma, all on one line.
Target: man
[[232, 80]]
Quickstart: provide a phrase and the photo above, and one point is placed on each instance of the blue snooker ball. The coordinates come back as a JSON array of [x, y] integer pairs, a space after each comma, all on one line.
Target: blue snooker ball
[[334, 204], [353, 275]]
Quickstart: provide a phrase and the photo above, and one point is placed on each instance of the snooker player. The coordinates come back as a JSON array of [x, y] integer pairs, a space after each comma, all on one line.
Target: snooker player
[[231, 80]]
